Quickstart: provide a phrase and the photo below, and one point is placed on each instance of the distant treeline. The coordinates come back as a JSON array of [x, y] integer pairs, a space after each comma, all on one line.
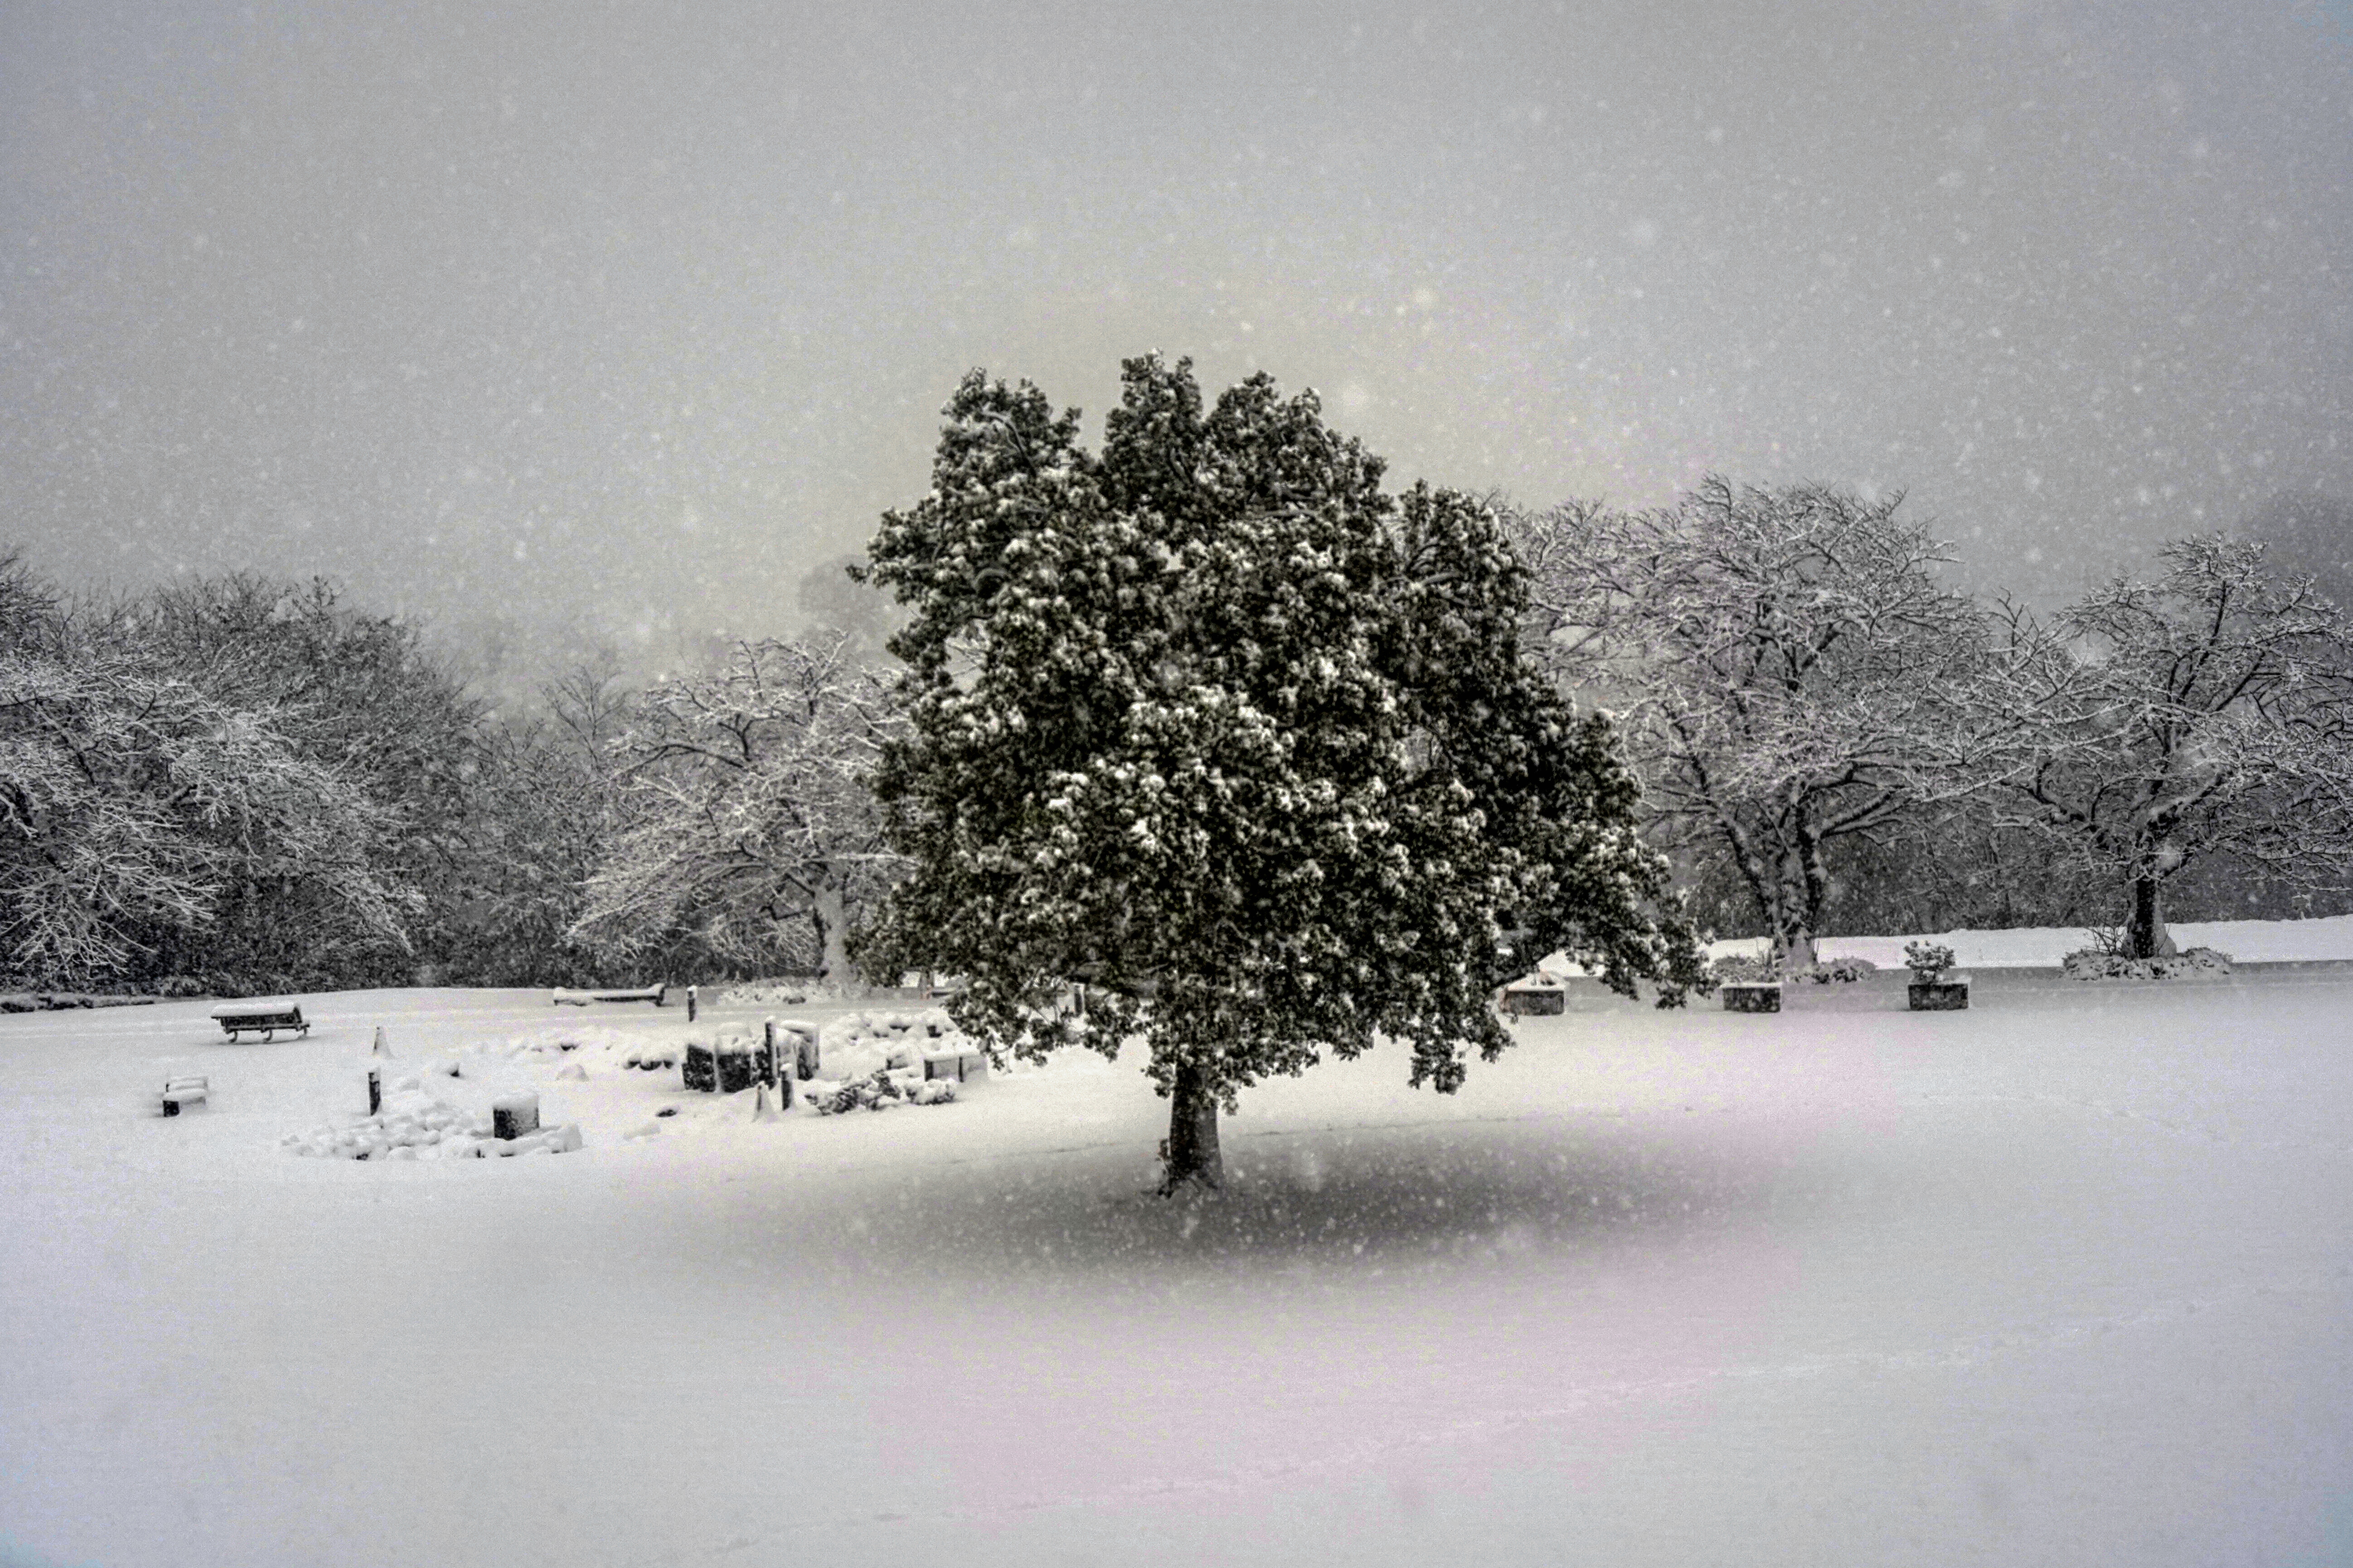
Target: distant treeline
[[237, 784]]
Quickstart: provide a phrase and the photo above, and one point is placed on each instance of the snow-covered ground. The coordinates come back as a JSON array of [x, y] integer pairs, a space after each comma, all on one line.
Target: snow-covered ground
[[2064, 1279], [2247, 942]]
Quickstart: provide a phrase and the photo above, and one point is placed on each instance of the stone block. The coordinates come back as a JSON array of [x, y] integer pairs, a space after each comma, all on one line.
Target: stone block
[[514, 1115]]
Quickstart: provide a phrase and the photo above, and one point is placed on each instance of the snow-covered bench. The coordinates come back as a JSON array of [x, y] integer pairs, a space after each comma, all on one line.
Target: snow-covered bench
[[569, 998], [263, 1018], [179, 1093]]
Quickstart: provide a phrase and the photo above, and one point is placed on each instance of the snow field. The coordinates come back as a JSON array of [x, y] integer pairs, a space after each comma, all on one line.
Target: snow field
[[2063, 1278]]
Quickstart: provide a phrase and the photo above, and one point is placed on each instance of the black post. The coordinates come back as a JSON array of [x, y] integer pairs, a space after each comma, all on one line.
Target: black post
[[375, 1091]]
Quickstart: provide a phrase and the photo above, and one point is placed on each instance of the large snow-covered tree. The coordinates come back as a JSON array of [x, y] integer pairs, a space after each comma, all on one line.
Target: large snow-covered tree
[[745, 815], [1212, 724], [1786, 667], [2209, 711]]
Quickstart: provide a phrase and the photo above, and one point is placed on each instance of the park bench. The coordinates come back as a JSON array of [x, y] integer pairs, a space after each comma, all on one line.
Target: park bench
[[264, 1019], [181, 1092], [569, 998]]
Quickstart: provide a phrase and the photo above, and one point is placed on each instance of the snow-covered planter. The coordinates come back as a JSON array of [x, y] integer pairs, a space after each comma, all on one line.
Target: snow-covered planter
[[1536, 996], [1934, 989], [2094, 964], [1751, 995], [727, 1063], [862, 1044], [1950, 994], [799, 1040]]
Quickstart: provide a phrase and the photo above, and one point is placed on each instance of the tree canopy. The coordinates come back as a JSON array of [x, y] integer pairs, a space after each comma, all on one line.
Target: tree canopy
[[1789, 671], [2210, 711], [1212, 724]]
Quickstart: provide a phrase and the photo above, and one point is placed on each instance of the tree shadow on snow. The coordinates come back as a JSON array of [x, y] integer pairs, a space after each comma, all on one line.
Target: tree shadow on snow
[[1303, 1200]]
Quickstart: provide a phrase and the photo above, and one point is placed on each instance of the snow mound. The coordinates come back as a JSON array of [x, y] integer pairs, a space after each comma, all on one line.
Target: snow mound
[[762, 994], [415, 1126], [412, 1125]]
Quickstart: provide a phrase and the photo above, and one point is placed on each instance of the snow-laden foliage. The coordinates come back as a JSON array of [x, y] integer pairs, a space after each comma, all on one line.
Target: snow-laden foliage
[[746, 825], [1215, 727], [134, 805], [541, 798], [2209, 711], [1787, 671]]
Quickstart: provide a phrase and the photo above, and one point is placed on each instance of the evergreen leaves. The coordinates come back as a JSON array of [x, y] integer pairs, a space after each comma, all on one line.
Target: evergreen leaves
[[1212, 724]]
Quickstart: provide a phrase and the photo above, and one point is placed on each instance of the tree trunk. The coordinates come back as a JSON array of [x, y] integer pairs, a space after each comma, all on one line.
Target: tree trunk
[[2145, 932], [1793, 951], [833, 935], [1192, 1148]]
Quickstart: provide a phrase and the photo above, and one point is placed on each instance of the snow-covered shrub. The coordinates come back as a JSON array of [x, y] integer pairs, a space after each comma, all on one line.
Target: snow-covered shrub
[[2091, 964], [1739, 968], [881, 1091], [1927, 959]]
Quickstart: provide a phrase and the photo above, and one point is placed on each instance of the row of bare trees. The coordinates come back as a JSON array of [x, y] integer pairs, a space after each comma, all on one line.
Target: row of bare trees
[[1806, 703]]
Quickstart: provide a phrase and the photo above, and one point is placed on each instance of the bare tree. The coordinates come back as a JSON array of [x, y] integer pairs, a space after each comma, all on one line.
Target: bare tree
[[2209, 711], [745, 809], [1785, 667]]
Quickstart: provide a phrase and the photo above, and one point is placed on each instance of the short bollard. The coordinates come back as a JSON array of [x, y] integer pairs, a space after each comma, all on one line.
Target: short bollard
[[689, 1004], [375, 1091]]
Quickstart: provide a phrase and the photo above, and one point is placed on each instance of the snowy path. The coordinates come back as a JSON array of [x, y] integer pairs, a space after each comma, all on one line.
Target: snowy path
[[2064, 1278]]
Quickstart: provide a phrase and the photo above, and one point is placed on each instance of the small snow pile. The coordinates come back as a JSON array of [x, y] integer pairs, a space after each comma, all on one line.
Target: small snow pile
[[415, 1126], [478, 1061], [411, 1126], [651, 1054], [881, 1091], [762, 994], [2094, 964]]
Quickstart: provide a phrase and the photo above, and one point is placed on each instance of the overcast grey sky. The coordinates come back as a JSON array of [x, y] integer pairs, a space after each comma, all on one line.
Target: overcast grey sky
[[639, 311]]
